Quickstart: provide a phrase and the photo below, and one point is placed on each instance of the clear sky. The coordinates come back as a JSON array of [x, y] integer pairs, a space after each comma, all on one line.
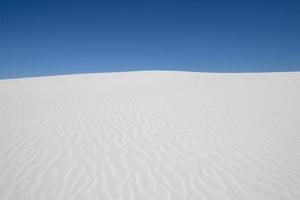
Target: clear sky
[[62, 37]]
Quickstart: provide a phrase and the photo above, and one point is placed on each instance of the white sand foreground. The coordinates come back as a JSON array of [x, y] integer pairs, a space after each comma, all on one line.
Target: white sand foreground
[[151, 135]]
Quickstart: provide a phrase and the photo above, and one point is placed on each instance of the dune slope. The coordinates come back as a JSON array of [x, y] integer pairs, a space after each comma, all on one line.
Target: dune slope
[[151, 135]]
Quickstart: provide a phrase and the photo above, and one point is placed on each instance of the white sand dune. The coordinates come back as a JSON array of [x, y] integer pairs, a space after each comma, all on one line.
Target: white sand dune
[[151, 136]]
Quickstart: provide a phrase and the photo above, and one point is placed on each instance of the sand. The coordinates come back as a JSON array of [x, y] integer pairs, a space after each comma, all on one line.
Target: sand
[[151, 135]]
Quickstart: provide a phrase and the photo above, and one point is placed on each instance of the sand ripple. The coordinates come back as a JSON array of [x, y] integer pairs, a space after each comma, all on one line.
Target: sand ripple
[[151, 135]]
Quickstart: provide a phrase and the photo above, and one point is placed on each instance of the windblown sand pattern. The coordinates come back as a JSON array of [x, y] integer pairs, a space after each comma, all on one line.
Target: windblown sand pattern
[[150, 136]]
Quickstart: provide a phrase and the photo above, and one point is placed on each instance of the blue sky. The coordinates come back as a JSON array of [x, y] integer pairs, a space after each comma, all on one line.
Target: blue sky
[[40, 38]]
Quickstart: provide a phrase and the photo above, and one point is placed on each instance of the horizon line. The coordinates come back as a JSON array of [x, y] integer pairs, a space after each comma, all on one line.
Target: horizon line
[[145, 70]]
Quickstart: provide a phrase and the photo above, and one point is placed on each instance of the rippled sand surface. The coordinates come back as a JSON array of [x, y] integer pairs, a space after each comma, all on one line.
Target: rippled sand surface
[[150, 136]]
